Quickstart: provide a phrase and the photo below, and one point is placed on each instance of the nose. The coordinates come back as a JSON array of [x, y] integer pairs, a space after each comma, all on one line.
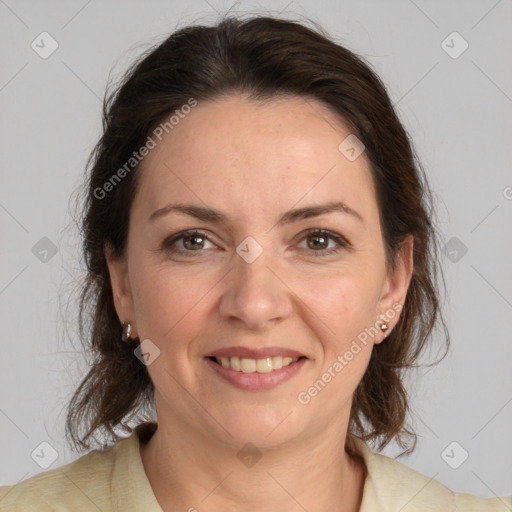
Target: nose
[[255, 296]]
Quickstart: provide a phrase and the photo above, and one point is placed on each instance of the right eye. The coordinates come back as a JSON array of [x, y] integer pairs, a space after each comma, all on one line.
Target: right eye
[[192, 241]]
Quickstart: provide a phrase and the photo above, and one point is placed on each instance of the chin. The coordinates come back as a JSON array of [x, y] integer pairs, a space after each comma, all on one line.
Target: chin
[[263, 426]]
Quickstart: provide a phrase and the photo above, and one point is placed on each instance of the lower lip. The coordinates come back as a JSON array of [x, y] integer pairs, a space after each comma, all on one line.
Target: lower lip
[[257, 381]]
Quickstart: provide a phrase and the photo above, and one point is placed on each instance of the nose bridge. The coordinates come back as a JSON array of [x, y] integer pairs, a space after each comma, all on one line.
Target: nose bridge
[[254, 294]]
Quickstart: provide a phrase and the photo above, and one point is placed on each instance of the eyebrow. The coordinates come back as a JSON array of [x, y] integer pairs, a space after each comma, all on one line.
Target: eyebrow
[[207, 214]]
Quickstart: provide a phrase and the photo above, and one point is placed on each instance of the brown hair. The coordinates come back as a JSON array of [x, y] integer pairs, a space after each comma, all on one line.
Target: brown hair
[[263, 57]]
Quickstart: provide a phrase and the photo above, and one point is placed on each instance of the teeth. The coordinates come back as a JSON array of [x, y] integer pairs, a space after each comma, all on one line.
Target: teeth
[[247, 365], [264, 365]]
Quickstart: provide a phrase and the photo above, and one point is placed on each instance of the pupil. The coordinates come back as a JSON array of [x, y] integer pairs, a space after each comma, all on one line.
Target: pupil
[[316, 237], [188, 240]]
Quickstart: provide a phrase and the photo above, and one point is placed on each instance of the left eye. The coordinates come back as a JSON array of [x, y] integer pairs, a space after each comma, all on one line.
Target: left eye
[[318, 241]]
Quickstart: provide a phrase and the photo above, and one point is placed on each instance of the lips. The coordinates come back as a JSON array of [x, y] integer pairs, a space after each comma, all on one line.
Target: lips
[[254, 380], [256, 369]]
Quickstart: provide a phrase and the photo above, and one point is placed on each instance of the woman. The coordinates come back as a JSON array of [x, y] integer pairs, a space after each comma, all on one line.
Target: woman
[[262, 267]]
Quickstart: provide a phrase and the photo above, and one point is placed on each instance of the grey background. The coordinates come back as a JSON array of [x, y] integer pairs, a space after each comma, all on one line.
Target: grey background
[[457, 111]]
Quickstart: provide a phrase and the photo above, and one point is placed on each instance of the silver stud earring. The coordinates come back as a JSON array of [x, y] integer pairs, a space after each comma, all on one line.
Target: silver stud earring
[[127, 329], [384, 327]]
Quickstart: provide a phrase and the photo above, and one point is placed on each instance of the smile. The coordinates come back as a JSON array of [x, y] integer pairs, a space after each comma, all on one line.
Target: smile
[[256, 374], [248, 365]]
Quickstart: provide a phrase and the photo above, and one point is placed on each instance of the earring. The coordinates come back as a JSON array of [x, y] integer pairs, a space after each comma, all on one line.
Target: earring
[[127, 329], [384, 327]]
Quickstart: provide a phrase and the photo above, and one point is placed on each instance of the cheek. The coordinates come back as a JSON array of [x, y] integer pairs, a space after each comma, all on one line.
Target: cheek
[[174, 304], [343, 302], [167, 303], [346, 308]]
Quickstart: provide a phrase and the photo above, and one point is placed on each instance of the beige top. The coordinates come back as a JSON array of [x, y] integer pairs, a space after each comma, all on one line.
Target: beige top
[[114, 480]]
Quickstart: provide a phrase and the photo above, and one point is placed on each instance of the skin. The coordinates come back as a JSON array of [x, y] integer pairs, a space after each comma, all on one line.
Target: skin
[[254, 161]]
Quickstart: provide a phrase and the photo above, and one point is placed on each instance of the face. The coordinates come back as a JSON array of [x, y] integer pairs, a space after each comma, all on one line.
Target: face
[[260, 283]]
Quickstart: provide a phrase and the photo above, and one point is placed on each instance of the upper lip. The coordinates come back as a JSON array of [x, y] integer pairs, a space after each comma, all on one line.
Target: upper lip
[[255, 353]]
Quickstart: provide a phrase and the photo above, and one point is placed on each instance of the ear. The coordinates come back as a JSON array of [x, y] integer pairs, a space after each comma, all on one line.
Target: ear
[[121, 290], [395, 286]]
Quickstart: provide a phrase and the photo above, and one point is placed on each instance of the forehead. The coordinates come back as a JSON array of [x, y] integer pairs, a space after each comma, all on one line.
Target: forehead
[[232, 152]]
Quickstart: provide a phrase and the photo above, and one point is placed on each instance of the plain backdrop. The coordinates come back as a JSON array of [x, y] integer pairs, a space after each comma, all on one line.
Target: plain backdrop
[[452, 91]]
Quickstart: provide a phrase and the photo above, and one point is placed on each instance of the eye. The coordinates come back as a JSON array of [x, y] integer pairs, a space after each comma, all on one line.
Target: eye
[[191, 241], [318, 241]]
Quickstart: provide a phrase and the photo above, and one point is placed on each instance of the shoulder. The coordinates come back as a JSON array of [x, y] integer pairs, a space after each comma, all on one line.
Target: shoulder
[[391, 485], [83, 484]]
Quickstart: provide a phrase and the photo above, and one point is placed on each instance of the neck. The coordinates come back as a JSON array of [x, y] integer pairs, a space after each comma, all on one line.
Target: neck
[[193, 474]]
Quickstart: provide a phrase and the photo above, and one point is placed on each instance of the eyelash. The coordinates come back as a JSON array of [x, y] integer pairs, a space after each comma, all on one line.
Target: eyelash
[[168, 243]]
